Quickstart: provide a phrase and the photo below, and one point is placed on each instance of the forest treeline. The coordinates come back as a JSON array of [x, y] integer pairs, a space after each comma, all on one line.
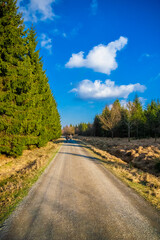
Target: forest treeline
[[28, 111], [129, 121]]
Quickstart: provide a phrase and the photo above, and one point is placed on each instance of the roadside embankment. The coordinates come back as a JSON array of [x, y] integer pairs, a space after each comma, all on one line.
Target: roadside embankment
[[144, 179], [17, 175]]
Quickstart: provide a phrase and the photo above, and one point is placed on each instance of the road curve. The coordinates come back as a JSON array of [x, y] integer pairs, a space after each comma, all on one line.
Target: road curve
[[78, 199]]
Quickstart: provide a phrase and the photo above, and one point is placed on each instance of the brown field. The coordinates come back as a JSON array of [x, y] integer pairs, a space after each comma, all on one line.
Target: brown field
[[17, 175], [137, 163], [143, 153]]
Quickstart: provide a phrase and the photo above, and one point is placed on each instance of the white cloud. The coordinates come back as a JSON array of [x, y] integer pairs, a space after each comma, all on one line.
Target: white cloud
[[124, 103], [142, 100], [101, 58], [36, 10], [94, 6], [110, 106], [46, 42], [76, 60], [99, 90]]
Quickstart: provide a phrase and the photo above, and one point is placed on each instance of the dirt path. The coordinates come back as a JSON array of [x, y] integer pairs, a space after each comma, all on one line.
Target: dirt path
[[77, 199]]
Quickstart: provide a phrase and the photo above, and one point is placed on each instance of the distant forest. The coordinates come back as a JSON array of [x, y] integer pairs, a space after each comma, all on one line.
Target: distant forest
[[28, 111], [129, 121]]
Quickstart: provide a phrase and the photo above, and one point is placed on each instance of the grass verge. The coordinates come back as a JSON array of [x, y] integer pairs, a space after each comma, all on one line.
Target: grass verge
[[147, 185], [18, 175]]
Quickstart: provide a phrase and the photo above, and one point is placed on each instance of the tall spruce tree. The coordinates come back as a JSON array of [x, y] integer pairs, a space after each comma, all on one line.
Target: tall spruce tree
[[153, 118], [28, 112], [46, 119], [98, 131], [12, 51], [138, 117]]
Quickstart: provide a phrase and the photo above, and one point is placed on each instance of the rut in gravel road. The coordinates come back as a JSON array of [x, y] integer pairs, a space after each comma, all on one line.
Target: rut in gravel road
[[78, 199]]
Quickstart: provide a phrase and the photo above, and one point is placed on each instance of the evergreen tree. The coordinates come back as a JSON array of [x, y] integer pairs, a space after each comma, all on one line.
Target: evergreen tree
[[82, 128], [138, 117], [12, 73], [131, 120], [45, 106], [97, 127], [28, 112], [153, 118]]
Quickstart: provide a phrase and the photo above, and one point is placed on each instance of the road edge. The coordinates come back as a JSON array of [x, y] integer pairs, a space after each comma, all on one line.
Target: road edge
[[20, 203]]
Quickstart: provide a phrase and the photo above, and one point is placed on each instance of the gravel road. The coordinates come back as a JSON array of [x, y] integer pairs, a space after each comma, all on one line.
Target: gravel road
[[78, 199]]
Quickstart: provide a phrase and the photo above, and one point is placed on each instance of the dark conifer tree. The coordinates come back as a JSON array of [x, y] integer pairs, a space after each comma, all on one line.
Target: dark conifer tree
[[153, 118], [138, 118], [46, 120], [28, 112], [12, 52], [98, 131]]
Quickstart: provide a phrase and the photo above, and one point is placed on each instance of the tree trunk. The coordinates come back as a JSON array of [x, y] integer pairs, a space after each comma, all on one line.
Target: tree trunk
[[155, 136], [112, 134], [129, 133], [137, 131]]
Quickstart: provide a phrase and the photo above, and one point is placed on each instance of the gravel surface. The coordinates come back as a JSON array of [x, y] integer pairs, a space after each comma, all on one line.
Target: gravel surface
[[78, 199]]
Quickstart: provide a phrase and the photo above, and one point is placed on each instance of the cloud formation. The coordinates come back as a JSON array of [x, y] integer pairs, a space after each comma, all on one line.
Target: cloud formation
[[46, 42], [94, 6], [142, 100], [99, 90], [37, 10], [101, 58]]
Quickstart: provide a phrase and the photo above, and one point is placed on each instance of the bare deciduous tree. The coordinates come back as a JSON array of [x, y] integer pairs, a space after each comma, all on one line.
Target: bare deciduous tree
[[68, 130], [111, 118]]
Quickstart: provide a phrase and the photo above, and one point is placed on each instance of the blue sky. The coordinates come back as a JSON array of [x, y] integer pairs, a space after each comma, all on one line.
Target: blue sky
[[95, 51]]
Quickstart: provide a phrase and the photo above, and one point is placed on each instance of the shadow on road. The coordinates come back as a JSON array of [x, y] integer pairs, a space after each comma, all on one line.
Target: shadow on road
[[96, 160], [75, 143]]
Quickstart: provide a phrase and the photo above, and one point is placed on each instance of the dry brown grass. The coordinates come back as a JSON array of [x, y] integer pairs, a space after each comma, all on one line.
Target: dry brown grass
[[143, 154], [18, 174], [146, 184]]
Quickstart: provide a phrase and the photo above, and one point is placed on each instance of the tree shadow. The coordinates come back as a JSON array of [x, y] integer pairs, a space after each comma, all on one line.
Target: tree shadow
[[93, 159]]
